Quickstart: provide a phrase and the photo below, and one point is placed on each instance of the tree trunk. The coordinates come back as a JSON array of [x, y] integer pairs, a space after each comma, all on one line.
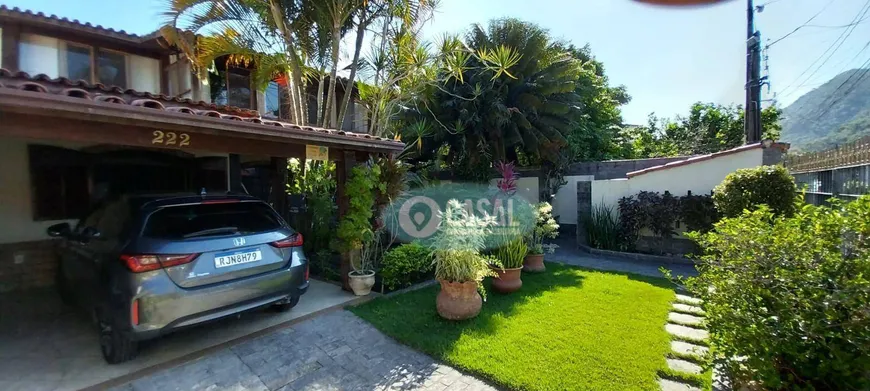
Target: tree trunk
[[348, 90], [320, 87], [330, 99], [295, 61]]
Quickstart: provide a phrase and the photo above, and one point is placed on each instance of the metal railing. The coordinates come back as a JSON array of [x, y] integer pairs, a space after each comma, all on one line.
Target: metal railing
[[842, 172]]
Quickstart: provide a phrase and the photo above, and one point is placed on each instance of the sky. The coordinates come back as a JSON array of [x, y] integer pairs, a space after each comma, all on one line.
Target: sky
[[667, 58]]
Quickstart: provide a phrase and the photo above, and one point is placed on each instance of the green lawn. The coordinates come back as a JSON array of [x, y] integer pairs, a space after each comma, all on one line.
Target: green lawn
[[567, 328]]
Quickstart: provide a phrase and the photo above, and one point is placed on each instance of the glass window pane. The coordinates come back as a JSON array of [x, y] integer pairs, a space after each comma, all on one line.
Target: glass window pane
[[112, 69], [38, 55], [178, 222], [239, 90], [78, 62], [273, 101]]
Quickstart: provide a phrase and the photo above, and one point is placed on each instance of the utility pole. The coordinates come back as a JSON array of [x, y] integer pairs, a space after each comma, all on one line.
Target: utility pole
[[752, 112]]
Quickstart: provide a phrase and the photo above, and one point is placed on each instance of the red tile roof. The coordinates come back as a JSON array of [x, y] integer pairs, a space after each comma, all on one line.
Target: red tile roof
[[39, 17], [700, 158], [112, 95]]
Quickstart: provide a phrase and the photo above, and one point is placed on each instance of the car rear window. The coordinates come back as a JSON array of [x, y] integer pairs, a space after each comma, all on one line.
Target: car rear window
[[203, 220]]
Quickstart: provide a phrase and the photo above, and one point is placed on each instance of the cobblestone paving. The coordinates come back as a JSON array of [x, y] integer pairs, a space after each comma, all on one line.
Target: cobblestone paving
[[335, 351]]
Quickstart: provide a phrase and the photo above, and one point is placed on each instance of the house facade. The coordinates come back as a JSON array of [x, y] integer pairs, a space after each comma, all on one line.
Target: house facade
[[88, 111]]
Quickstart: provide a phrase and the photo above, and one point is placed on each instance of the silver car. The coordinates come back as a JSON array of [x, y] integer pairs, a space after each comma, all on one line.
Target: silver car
[[144, 266]]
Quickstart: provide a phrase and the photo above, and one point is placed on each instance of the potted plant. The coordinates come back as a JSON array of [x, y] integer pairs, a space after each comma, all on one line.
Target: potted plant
[[459, 266], [355, 234], [545, 227], [511, 252]]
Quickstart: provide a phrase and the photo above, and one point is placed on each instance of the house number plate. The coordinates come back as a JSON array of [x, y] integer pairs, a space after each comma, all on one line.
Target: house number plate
[[170, 138]]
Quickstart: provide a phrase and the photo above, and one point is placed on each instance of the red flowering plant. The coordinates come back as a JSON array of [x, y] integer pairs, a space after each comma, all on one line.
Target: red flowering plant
[[508, 183]]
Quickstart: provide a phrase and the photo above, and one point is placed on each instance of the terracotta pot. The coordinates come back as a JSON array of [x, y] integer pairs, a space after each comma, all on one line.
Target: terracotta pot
[[458, 300], [361, 282], [508, 280], [534, 263]]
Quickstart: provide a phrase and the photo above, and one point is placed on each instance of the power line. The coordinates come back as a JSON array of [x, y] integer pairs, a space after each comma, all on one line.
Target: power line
[[832, 49], [862, 72], [801, 26]]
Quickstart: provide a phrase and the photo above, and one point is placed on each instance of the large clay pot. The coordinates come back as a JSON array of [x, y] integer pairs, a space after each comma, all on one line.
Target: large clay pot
[[534, 263], [508, 280], [458, 300], [361, 282]]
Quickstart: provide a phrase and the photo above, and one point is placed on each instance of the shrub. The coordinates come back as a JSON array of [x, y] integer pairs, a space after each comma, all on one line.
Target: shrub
[[355, 227], [602, 228], [512, 249], [747, 188], [405, 265], [457, 245], [787, 299], [698, 212]]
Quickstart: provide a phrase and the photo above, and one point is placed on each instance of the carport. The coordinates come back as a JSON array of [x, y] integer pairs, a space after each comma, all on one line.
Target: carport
[[63, 143]]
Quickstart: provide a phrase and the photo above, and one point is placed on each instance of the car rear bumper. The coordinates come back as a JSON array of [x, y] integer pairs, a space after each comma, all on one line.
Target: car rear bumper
[[164, 308]]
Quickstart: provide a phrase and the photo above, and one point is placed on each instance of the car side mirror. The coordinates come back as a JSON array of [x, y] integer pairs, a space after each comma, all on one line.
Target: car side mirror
[[59, 230]]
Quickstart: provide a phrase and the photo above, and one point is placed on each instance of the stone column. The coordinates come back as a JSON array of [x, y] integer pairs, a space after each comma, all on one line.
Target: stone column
[[584, 209]]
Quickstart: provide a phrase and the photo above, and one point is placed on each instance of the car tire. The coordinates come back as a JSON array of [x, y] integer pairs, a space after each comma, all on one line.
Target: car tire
[[286, 305], [115, 345]]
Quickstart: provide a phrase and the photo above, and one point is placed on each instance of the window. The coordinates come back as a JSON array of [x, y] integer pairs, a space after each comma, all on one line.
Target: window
[[238, 90], [76, 62], [59, 183], [185, 221], [273, 100], [111, 68]]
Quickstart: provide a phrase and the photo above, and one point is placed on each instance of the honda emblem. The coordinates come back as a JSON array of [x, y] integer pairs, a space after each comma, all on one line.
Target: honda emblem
[[239, 241]]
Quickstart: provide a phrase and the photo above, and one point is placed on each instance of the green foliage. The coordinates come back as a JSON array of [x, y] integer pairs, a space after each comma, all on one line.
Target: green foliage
[[567, 329], [355, 227], [457, 245], [707, 129], [405, 265], [786, 298], [750, 187], [837, 112], [660, 213], [317, 183], [546, 227], [512, 251], [603, 228], [698, 212]]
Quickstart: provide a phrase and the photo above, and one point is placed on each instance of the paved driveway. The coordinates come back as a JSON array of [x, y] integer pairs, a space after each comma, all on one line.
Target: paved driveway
[[335, 351]]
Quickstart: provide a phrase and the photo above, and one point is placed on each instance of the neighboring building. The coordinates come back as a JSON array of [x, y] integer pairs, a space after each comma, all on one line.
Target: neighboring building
[[87, 110]]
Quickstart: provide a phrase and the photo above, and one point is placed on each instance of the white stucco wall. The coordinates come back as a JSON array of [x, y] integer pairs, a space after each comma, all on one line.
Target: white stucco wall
[[144, 73], [39, 54], [565, 202], [699, 177], [527, 187]]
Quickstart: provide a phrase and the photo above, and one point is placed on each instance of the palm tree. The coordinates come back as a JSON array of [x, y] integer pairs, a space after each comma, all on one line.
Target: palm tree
[[494, 112]]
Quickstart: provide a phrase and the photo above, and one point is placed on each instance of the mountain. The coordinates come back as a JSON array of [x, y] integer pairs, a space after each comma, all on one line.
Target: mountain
[[836, 112]]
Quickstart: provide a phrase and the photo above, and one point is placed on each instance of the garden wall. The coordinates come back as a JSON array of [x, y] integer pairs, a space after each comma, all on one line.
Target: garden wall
[[698, 175]]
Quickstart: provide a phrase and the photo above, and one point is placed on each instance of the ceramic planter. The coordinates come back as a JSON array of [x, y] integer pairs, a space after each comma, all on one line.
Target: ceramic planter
[[361, 282], [508, 280], [534, 263], [458, 300]]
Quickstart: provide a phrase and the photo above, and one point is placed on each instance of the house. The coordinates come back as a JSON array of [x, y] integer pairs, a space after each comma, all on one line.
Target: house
[[86, 110]]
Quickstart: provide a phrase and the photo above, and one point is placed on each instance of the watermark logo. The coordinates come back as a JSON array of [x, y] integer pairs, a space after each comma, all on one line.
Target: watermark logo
[[417, 215]]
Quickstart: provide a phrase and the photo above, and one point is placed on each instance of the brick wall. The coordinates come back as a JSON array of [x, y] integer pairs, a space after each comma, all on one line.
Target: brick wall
[[27, 265]]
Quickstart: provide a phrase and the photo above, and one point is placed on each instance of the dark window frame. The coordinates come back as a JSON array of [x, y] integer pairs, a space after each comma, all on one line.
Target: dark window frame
[[59, 183]]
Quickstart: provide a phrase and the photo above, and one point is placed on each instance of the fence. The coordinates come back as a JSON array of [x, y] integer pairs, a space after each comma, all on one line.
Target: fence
[[842, 172]]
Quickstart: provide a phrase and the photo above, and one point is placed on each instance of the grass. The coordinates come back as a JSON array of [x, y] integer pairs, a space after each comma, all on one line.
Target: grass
[[567, 328]]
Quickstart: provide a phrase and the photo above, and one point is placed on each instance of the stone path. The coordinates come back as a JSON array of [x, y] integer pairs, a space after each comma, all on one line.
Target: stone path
[[335, 351], [685, 323]]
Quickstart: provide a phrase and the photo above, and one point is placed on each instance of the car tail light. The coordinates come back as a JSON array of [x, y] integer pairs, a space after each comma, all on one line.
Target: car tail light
[[294, 240], [144, 263], [134, 312], [230, 201]]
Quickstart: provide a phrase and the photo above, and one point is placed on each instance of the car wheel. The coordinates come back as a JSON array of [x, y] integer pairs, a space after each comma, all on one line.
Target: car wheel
[[116, 346], [66, 295], [285, 306]]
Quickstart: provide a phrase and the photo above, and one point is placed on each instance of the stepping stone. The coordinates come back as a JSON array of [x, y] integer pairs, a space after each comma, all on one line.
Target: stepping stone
[[688, 348], [684, 366], [685, 319], [670, 385], [688, 299], [686, 332], [688, 308]]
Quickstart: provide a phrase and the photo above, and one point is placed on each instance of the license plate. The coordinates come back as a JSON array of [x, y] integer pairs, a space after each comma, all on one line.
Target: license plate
[[237, 257]]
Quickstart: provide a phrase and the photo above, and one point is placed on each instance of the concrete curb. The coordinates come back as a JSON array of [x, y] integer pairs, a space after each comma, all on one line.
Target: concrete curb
[[647, 258]]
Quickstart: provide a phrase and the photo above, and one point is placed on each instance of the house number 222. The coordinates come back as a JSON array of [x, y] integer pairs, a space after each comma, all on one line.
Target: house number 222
[[170, 138]]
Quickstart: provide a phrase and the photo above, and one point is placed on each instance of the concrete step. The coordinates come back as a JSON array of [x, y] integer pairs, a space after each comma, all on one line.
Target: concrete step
[[684, 366], [671, 385], [688, 348], [691, 320], [689, 299], [686, 332]]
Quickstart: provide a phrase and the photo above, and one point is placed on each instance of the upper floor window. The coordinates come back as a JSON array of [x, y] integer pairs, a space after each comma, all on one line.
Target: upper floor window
[[58, 58], [232, 86]]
